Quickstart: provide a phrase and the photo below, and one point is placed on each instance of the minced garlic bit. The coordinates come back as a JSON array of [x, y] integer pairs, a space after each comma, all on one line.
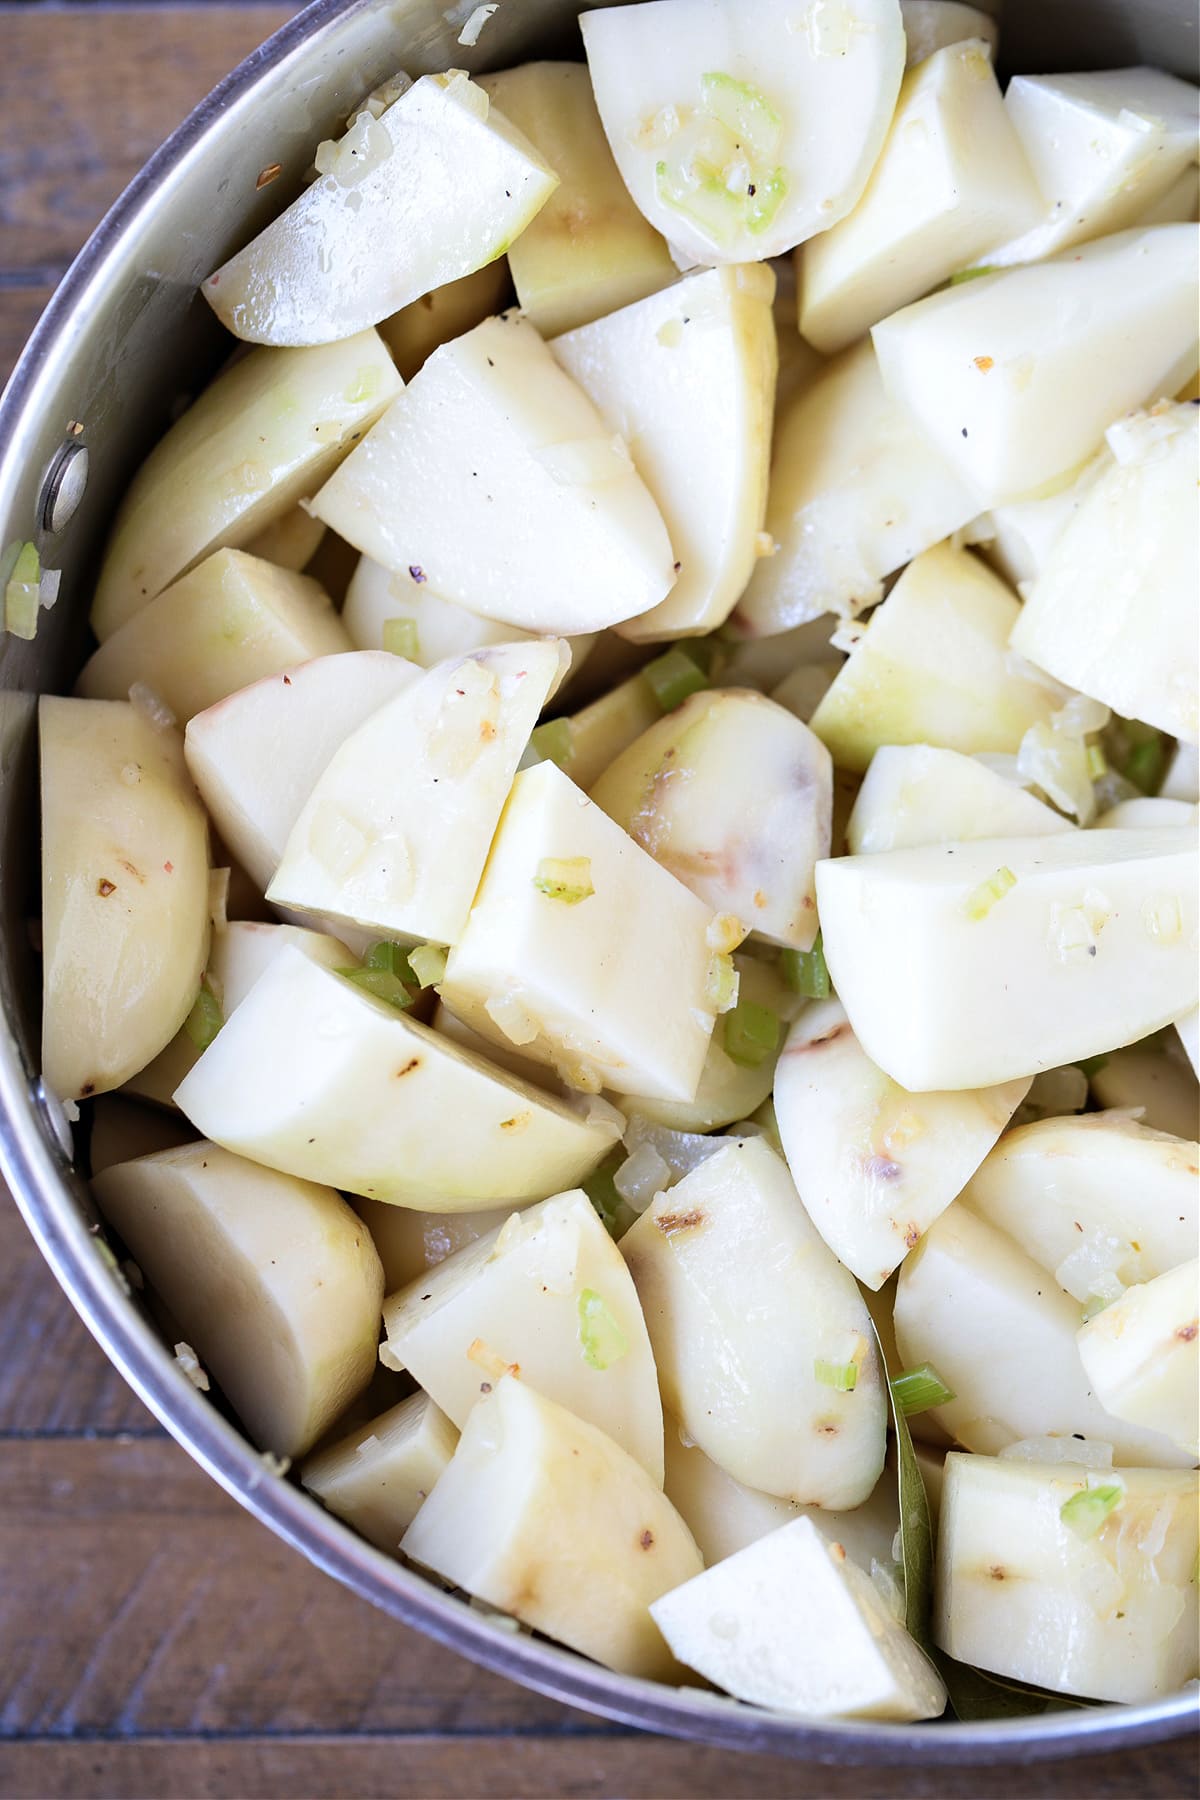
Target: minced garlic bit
[[189, 1363]]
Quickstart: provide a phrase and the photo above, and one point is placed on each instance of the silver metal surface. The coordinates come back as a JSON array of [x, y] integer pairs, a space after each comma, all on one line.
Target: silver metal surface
[[65, 487], [122, 343]]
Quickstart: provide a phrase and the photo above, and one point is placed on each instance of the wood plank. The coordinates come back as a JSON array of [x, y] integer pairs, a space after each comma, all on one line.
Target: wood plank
[[53, 1375], [86, 95], [592, 1767], [20, 309]]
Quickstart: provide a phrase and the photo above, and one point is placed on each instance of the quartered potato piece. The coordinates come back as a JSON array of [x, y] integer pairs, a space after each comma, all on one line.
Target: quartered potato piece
[[915, 794], [1015, 377], [740, 132], [1001, 1335], [291, 542], [724, 1516], [125, 922], [1155, 1079], [930, 25], [257, 755], [1145, 812], [505, 1055], [418, 329], [266, 432], [733, 795], [274, 1282], [1099, 1202], [496, 476], [1142, 1357], [792, 1623], [122, 1130], [855, 492], [395, 833], [932, 667], [235, 619], [873, 1164], [542, 1515], [1081, 1580], [687, 378], [1017, 538], [315, 1076], [1113, 610], [951, 181], [409, 1242], [582, 952], [1105, 147], [547, 1293], [768, 1362], [433, 188], [964, 965], [397, 612], [589, 251], [378, 1477]]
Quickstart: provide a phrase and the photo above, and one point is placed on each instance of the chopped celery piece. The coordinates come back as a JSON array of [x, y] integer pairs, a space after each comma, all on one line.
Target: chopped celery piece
[[22, 594], [706, 201], [428, 963], [980, 901], [751, 1034], [743, 110], [721, 984], [389, 956], [1145, 766], [842, 1376], [205, 1019], [568, 878], [1086, 1512], [380, 982], [916, 1390], [805, 971], [553, 742], [973, 274], [401, 638], [764, 198], [1138, 752], [614, 1212], [600, 1337], [673, 677]]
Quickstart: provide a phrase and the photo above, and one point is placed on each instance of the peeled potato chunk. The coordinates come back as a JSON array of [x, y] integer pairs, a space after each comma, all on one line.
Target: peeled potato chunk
[[930, 25], [429, 628], [964, 965], [855, 491], [769, 1363], [432, 189], [259, 438], [1113, 611], [125, 921], [379, 1476], [915, 794], [582, 952], [792, 1623], [290, 542], [417, 330], [873, 1164], [274, 1283], [1099, 1202], [734, 796], [1141, 1355], [687, 377], [409, 1242], [235, 619], [1155, 1079], [1001, 1336], [542, 1515], [1081, 1580], [741, 132], [933, 667], [395, 834], [951, 181], [1105, 147], [1015, 377], [257, 755], [496, 476], [548, 1292], [317, 1077], [589, 250]]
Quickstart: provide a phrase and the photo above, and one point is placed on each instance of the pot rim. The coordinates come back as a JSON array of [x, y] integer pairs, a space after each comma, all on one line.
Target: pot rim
[[52, 1198]]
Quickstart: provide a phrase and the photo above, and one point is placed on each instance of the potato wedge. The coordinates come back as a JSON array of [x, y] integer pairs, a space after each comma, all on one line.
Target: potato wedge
[[379, 1476]]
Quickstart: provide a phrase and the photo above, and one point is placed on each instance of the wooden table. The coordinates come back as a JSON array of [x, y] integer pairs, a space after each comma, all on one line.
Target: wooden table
[[155, 1640]]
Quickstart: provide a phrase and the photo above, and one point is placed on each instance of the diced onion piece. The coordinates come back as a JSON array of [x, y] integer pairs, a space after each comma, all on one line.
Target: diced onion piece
[[513, 1019], [48, 587], [189, 1363], [553, 742], [428, 963], [916, 1390], [721, 984], [641, 1177], [152, 707], [468, 37], [205, 1020], [751, 1034], [401, 638], [600, 1337], [1086, 1511], [980, 901], [672, 677], [565, 878], [805, 971], [682, 1151]]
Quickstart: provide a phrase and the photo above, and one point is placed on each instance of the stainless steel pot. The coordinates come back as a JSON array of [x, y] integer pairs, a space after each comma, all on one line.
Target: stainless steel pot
[[124, 341]]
